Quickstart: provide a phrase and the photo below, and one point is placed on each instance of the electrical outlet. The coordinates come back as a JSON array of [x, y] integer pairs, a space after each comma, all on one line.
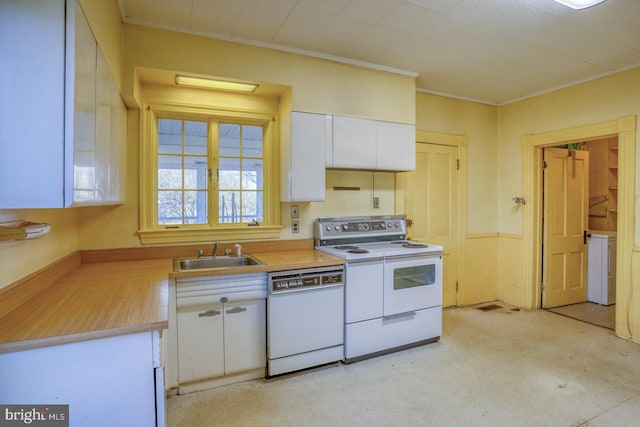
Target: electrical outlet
[[376, 202], [295, 226], [295, 213]]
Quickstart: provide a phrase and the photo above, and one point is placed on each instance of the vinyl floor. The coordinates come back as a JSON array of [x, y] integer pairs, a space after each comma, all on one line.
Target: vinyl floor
[[498, 367]]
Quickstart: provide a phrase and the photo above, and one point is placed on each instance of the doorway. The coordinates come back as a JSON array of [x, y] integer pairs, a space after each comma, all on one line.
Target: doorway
[[532, 145], [581, 199]]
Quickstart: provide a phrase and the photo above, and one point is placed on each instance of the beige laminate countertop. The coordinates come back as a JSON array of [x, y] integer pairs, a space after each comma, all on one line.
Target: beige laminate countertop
[[92, 301], [100, 300]]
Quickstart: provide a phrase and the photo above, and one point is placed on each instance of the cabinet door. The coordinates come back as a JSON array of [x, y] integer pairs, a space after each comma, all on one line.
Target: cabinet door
[[81, 133], [32, 65], [245, 335], [307, 169], [396, 146], [354, 143], [200, 342]]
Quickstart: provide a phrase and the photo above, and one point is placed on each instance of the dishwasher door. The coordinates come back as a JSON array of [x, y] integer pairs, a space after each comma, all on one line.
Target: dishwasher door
[[305, 321]]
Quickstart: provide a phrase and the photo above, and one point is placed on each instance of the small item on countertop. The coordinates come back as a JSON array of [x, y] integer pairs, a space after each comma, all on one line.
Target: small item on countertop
[[238, 249]]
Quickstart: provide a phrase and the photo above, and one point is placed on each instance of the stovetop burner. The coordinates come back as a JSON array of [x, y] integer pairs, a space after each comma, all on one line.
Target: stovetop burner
[[358, 251], [346, 248], [414, 245]]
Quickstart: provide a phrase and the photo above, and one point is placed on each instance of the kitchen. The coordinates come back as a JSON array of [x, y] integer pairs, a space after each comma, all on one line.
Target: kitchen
[[492, 230]]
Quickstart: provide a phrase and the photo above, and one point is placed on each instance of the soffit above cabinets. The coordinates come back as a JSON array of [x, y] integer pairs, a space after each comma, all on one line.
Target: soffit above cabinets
[[492, 51]]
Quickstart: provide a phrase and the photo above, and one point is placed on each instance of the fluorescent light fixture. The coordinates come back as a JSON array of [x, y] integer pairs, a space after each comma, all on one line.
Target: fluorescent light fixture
[[215, 84], [579, 4]]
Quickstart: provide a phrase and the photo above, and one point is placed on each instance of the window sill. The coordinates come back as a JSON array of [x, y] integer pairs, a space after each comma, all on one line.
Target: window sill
[[186, 235]]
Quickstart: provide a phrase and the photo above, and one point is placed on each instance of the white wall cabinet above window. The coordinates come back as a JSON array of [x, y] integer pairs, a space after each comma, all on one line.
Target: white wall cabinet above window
[[371, 144], [63, 122], [310, 137]]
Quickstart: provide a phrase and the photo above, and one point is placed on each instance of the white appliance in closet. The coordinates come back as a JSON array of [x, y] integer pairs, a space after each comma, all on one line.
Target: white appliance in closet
[[601, 277]]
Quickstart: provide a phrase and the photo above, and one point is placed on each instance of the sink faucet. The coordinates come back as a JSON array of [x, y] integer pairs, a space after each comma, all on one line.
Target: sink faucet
[[215, 249]]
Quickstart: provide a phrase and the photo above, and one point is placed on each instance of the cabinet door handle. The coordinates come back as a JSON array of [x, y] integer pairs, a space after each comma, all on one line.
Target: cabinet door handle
[[209, 313], [236, 310]]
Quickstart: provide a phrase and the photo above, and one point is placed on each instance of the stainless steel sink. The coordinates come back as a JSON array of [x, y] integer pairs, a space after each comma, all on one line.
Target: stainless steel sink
[[182, 264]]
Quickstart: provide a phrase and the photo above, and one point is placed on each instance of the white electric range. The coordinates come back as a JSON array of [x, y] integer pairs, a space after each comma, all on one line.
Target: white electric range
[[393, 286]]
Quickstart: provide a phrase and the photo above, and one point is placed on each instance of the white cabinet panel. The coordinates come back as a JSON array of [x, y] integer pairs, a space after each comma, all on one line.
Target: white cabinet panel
[[354, 143], [309, 139], [372, 144], [105, 382], [244, 335], [200, 342], [49, 155], [396, 146], [32, 66]]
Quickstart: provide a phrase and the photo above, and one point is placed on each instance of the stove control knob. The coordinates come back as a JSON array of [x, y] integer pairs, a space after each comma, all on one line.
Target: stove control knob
[[328, 228], [345, 227], [382, 226], [390, 225], [337, 228], [397, 224]]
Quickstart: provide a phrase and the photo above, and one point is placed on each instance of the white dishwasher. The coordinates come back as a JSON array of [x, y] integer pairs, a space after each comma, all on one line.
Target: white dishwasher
[[305, 318]]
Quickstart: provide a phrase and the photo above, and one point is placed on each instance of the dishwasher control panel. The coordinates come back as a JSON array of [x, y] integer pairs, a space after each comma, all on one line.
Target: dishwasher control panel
[[304, 279]]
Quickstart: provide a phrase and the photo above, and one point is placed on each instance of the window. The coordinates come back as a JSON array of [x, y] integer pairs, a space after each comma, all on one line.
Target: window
[[182, 172], [213, 178]]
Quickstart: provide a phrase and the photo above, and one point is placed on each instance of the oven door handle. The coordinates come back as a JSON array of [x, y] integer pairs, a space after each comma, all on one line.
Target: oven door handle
[[363, 260], [414, 256], [399, 316]]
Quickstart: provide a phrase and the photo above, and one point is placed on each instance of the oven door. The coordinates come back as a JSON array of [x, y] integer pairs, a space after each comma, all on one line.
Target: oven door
[[412, 282]]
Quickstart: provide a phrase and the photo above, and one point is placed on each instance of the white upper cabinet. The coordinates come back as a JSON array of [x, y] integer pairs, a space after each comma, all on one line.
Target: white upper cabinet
[[395, 146], [310, 137], [371, 144], [58, 147], [354, 143]]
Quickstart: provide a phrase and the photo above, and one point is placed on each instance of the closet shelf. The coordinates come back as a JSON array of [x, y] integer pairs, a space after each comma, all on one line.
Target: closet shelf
[[22, 230]]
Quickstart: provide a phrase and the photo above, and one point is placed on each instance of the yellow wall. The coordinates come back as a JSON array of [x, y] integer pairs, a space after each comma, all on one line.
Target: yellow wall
[[319, 85], [479, 123], [606, 99], [106, 25], [21, 258]]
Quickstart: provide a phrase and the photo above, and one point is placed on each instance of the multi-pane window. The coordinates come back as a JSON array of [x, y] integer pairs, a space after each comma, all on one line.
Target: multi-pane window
[[182, 172], [188, 190], [240, 174]]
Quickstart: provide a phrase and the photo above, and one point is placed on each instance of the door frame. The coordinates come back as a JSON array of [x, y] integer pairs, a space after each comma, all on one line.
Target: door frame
[[452, 140], [625, 129]]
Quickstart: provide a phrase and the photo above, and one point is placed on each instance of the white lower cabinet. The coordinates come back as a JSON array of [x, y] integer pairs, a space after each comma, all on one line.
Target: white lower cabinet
[[219, 331], [115, 381], [221, 339]]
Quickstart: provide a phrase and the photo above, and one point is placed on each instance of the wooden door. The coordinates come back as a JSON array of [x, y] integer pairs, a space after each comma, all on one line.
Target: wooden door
[[566, 210], [431, 204]]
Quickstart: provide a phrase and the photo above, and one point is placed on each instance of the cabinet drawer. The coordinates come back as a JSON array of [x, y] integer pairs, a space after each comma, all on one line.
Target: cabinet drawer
[[197, 291]]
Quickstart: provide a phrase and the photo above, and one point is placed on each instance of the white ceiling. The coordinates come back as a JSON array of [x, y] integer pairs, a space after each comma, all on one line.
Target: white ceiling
[[492, 51]]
